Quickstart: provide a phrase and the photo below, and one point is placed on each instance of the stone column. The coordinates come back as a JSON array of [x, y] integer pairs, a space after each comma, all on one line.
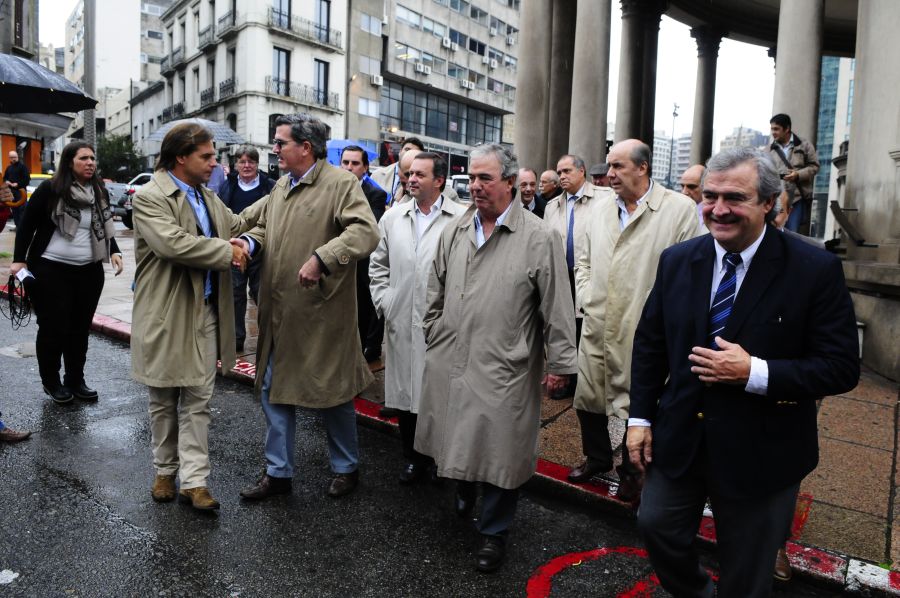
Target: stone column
[[533, 84], [561, 59], [590, 81], [798, 64], [631, 64], [651, 13], [708, 40]]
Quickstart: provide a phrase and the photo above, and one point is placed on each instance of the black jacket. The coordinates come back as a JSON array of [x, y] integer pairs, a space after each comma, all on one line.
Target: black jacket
[[36, 229], [17, 173], [376, 195], [793, 310]]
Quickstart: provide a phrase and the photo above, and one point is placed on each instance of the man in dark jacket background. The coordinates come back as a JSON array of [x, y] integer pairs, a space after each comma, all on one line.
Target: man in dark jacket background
[[17, 178], [245, 186]]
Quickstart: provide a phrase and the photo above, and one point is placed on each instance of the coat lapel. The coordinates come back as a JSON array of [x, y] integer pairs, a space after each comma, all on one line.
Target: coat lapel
[[766, 265], [701, 285]]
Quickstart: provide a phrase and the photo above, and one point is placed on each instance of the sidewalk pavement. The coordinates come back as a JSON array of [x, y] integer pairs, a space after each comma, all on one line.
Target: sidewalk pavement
[[843, 532]]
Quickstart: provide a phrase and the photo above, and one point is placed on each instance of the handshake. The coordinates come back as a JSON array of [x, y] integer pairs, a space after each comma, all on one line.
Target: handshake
[[240, 253]]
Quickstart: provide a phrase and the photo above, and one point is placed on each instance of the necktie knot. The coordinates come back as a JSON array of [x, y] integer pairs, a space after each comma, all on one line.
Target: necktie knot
[[732, 260]]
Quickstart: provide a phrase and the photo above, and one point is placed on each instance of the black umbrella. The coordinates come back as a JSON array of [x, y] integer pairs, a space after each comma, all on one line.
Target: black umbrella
[[26, 86]]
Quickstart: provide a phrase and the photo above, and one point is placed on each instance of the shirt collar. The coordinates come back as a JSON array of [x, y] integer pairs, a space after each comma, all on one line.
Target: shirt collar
[[579, 193], [189, 191], [621, 202], [435, 207], [303, 176], [500, 218], [746, 255]]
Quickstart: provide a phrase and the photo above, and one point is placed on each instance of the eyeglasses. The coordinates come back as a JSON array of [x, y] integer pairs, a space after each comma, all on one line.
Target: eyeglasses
[[280, 143]]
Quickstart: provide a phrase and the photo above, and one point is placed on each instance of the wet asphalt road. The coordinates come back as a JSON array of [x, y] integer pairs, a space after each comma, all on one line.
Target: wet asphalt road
[[76, 518]]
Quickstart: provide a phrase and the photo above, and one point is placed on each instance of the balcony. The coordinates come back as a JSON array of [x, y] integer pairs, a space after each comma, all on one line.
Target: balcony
[[227, 24], [207, 38], [227, 88], [166, 115], [165, 67], [304, 94], [207, 97], [177, 57], [178, 110], [305, 29]]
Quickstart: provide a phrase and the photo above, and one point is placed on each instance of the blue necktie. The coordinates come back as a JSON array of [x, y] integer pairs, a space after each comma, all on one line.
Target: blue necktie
[[724, 299], [570, 239]]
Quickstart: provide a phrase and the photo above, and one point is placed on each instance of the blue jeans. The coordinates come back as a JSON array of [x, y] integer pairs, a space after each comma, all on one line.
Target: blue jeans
[[281, 424], [796, 217]]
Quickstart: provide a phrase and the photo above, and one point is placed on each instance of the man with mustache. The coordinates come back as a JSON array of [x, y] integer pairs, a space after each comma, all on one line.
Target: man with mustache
[[626, 234]]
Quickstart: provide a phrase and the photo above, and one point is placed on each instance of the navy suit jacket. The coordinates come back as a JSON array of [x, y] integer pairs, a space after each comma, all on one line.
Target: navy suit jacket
[[794, 311]]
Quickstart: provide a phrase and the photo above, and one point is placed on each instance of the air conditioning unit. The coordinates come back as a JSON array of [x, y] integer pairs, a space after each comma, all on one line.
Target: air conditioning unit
[[377, 80], [510, 40], [420, 68], [493, 31], [446, 42], [493, 63], [454, 47], [427, 70], [485, 60], [464, 83]]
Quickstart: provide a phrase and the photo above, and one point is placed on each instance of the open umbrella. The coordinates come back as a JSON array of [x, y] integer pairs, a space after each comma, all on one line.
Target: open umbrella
[[26, 86], [336, 146], [221, 133]]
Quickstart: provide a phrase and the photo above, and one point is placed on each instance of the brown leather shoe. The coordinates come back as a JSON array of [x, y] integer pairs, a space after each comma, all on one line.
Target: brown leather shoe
[[783, 571], [199, 498], [587, 469], [343, 484], [163, 488], [629, 489], [10, 435], [267, 486]]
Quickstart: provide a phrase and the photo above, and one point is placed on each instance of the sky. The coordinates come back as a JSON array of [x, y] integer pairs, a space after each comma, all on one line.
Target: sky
[[745, 76]]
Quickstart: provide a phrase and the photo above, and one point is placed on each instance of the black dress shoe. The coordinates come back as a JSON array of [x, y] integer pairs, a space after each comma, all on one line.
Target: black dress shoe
[[491, 554], [371, 354], [239, 346], [629, 489], [60, 394], [267, 486], [464, 501], [343, 484], [83, 392], [588, 469], [411, 472], [433, 476]]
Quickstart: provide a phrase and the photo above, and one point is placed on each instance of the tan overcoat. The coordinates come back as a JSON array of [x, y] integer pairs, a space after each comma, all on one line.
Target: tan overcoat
[[172, 258], [399, 270], [318, 360], [613, 277], [492, 311]]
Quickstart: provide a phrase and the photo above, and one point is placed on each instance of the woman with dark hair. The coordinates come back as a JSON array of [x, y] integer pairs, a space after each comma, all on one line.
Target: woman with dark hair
[[66, 234]]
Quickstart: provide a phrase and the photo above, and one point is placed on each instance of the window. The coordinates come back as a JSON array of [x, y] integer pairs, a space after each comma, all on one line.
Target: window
[[144, 58], [455, 71], [436, 29], [404, 52], [510, 62], [443, 2], [370, 24], [459, 38], [210, 73], [495, 54], [281, 13], [320, 72], [409, 17], [368, 107], [182, 88], [281, 68], [476, 46], [369, 65], [151, 9], [197, 25], [323, 19], [154, 34], [196, 74], [438, 65], [460, 6], [478, 15]]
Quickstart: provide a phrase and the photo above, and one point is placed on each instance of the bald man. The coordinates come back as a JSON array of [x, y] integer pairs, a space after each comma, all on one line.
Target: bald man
[[690, 186], [17, 179]]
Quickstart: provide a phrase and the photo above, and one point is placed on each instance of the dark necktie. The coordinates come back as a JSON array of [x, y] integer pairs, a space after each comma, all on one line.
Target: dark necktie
[[570, 239], [724, 299]]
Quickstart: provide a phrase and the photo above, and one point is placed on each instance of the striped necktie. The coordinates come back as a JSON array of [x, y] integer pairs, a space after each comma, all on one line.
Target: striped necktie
[[724, 299]]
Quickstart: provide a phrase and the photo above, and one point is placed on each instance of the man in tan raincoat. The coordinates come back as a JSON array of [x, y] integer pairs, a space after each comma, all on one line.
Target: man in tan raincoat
[[317, 220], [613, 277], [497, 298], [183, 313]]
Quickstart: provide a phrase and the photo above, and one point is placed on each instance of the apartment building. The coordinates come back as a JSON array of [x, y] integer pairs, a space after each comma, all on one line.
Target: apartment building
[[243, 63]]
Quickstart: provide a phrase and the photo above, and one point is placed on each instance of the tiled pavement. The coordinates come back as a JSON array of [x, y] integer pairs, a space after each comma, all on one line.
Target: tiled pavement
[[847, 511]]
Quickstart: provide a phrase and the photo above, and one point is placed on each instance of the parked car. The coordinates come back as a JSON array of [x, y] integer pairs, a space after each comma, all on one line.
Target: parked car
[[124, 202], [460, 184], [36, 180]]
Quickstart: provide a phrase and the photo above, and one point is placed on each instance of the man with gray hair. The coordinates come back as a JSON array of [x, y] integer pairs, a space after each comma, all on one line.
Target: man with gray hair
[[614, 273], [497, 299], [743, 331], [314, 227]]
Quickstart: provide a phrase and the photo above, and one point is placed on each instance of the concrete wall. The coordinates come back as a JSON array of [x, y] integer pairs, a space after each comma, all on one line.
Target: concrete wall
[[875, 127]]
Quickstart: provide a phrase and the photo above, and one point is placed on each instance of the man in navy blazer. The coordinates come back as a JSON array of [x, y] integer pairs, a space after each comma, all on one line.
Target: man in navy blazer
[[744, 329]]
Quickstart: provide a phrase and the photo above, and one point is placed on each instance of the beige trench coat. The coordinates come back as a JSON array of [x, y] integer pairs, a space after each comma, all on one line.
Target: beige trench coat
[[557, 217], [399, 270], [491, 313], [613, 278], [172, 258], [318, 361]]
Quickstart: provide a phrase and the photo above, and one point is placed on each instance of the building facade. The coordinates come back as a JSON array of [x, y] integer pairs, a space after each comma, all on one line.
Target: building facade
[[440, 70], [243, 63], [744, 137], [662, 158]]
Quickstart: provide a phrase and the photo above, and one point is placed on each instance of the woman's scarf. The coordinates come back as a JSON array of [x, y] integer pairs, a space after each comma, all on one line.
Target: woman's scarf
[[68, 216]]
